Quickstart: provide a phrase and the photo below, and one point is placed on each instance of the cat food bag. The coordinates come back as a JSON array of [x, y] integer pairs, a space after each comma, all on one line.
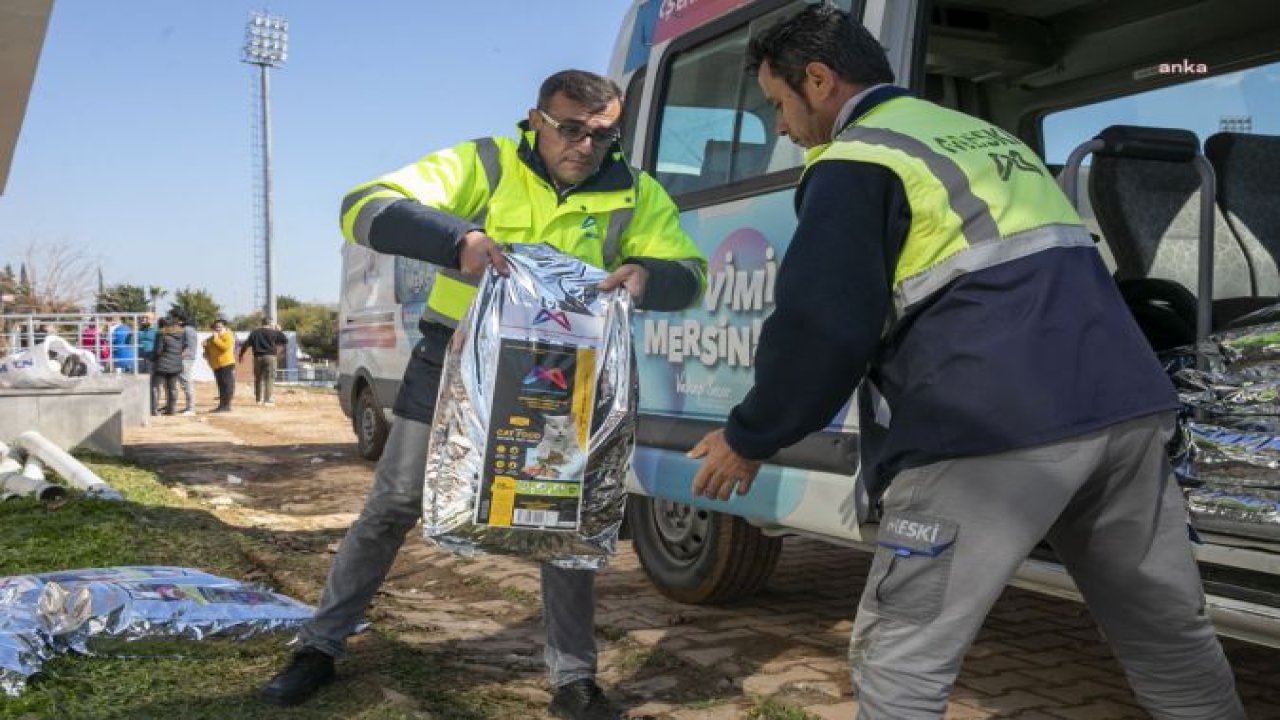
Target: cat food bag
[[97, 610], [535, 420]]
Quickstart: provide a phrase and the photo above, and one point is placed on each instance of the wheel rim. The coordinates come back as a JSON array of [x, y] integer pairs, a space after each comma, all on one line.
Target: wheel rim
[[682, 529], [368, 423]]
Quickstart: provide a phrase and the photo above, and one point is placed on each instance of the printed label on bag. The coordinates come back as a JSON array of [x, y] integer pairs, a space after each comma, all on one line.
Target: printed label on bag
[[540, 420]]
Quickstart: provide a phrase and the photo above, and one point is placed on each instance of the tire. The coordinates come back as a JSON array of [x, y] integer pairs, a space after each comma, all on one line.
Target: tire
[[697, 556], [370, 426]]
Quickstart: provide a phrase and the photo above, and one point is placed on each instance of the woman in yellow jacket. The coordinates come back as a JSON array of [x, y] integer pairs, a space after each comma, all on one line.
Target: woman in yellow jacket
[[220, 352]]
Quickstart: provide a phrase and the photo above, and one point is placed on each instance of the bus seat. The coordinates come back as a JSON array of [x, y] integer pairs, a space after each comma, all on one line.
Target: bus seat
[[1147, 206], [1248, 172]]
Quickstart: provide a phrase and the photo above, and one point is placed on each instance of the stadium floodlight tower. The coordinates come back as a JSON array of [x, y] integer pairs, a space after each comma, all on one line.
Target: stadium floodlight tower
[[266, 44]]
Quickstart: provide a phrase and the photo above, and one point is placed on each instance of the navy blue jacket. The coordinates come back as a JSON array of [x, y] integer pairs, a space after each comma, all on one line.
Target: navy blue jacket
[[1025, 353]]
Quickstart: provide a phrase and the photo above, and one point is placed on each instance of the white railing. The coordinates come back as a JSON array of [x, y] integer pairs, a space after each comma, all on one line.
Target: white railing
[[88, 331]]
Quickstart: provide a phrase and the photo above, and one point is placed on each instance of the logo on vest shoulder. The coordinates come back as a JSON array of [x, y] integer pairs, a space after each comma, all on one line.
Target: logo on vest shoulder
[[1006, 163]]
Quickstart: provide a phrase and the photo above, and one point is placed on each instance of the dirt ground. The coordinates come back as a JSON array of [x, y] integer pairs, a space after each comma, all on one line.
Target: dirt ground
[[292, 470]]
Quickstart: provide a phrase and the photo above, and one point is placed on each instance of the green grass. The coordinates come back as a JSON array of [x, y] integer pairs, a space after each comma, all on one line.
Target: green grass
[[770, 709], [214, 679]]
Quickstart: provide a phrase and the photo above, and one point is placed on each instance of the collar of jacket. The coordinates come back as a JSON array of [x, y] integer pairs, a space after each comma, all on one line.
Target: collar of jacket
[[872, 100], [612, 175], [864, 106]]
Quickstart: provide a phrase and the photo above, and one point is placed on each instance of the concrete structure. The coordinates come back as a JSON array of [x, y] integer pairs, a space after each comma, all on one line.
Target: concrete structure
[[91, 416], [22, 29]]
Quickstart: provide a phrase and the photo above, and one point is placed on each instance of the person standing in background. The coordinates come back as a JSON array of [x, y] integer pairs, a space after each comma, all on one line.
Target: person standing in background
[[123, 355], [190, 341], [219, 351], [266, 343], [167, 362], [146, 343]]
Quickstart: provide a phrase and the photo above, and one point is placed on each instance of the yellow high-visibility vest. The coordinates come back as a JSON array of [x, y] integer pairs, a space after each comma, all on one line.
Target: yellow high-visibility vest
[[978, 196], [486, 181]]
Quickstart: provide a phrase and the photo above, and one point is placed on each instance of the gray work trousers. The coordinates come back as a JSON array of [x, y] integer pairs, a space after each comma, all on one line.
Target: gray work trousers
[[188, 390], [264, 377], [954, 532], [391, 509]]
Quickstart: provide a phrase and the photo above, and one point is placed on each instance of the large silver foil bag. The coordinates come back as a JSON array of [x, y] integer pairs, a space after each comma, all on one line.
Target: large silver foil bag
[[535, 420], [24, 639], [98, 609], [1227, 453]]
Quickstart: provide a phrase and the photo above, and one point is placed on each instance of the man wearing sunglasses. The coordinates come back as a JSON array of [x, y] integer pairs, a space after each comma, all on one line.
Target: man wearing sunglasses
[[563, 181]]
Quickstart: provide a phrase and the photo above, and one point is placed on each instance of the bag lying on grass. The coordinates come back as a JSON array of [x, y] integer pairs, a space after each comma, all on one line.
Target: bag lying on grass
[[95, 610], [24, 639], [536, 416], [50, 363]]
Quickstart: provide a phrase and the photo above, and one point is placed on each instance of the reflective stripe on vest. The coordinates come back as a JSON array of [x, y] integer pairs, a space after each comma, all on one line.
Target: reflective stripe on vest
[[618, 222], [978, 223], [368, 210], [451, 291], [954, 230], [984, 254]]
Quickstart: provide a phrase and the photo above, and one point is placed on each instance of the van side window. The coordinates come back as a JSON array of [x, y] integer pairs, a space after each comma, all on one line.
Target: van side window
[[716, 128]]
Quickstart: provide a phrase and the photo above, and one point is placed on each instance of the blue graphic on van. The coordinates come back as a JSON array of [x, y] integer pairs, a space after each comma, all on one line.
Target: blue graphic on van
[[775, 494], [412, 284], [698, 363]]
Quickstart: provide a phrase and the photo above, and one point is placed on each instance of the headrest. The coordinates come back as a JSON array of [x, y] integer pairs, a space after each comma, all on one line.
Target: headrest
[[1148, 143]]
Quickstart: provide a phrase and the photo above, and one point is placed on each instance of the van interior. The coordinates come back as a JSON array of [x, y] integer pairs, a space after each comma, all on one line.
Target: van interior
[[1018, 62]]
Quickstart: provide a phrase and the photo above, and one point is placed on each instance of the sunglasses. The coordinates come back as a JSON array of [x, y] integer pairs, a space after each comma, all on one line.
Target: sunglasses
[[574, 132]]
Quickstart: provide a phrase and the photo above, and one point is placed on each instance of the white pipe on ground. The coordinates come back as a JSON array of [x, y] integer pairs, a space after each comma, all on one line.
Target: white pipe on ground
[[71, 469]]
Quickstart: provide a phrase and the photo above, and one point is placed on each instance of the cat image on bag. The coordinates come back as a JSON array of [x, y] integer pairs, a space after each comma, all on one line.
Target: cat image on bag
[[557, 455]]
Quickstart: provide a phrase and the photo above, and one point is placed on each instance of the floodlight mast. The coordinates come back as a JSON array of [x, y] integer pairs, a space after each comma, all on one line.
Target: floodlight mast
[[266, 44]]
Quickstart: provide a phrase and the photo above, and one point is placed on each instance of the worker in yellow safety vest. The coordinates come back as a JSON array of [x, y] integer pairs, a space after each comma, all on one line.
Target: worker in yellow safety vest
[[936, 261], [563, 181]]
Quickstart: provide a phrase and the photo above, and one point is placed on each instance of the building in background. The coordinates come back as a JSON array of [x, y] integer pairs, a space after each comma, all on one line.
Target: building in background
[[22, 29]]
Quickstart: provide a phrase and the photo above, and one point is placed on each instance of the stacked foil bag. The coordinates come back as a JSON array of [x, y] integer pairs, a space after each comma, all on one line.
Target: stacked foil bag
[[543, 284], [1227, 456], [99, 609]]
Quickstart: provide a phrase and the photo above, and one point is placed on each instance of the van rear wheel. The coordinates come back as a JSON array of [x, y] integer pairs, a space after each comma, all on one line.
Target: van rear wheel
[[369, 424], [699, 556]]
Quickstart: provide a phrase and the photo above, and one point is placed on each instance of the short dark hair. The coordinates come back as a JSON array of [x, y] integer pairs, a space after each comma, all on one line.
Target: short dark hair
[[585, 88], [820, 33]]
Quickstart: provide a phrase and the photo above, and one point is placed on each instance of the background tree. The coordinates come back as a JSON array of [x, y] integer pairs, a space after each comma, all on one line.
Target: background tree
[[8, 280], [316, 326], [198, 306], [286, 302], [51, 278], [122, 298], [247, 322]]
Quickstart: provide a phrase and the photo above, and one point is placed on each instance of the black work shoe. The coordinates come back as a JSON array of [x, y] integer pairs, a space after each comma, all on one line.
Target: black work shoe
[[583, 700], [307, 672]]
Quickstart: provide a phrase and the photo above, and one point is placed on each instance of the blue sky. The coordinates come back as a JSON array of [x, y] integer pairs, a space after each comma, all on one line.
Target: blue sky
[[1197, 105], [136, 145]]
